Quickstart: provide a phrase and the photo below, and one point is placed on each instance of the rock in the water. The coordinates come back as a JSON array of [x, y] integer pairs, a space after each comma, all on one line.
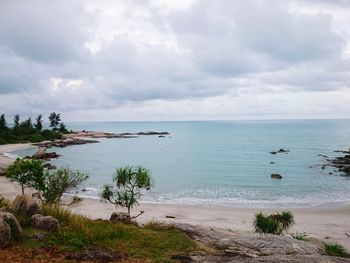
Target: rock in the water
[[25, 205], [40, 154], [5, 234], [276, 176], [10, 219], [120, 217], [51, 155], [49, 166], [47, 223], [280, 151]]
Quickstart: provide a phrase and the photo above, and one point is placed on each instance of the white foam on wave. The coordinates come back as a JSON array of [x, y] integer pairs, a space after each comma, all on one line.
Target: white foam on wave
[[10, 155]]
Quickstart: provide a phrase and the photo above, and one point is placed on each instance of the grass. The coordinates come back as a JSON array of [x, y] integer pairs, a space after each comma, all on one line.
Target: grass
[[299, 236], [274, 223], [154, 242], [335, 249]]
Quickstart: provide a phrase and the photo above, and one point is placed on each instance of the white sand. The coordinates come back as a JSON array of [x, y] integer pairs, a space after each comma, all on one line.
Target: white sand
[[324, 223]]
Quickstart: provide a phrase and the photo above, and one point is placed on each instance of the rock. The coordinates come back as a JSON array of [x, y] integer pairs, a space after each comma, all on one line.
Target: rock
[[40, 154], [276, 176], [120, 217], [49, 166], [152, 133], [25, 205], [280, 151], [51, 155], [272, 162], [2, 172], [5, 234], [39, 236], [95, 255], [47, 223], [172, 217], [10, 219]]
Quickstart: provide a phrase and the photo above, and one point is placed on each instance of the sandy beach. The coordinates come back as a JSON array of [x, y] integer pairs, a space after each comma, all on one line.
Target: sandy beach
[[324, 223]]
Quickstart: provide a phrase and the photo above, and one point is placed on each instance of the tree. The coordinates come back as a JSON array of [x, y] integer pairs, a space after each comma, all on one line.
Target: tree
[[62, 128], [54, 119], [16, 120], [60, 182], [28, 173], [39, 122], [3, 124], [27, 124], [129, 182]]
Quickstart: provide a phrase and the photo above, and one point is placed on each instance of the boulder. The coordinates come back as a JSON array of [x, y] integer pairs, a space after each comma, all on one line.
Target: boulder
[[51, 155], [276, 176], [120, 217], [5, 234], [10, 219], [47, 223], [25, 205], [40, 154]]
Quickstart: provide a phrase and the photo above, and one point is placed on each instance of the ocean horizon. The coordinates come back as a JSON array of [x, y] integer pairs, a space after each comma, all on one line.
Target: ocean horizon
[[220, 163]]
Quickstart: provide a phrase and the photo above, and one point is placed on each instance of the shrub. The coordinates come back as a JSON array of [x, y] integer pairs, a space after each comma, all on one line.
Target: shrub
[[130, 181], [274, 223], [60, 182], [28, 173], [299, 236], [335, 249]]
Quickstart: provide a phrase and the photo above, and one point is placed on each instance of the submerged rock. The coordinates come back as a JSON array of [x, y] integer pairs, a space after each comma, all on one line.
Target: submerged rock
[[280, 151], [276, 176]]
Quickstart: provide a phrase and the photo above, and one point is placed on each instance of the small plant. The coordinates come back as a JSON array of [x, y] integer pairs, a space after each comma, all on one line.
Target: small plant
[[60, 182], [3, 202], [299, 236], [274, 223], [28, 173], [130, 181], [335, 249]]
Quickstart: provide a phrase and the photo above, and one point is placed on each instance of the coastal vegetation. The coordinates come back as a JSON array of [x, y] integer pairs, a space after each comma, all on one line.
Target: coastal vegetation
[[273, 223], [50, 186], [335, 249], [29, 131], [129, 182]]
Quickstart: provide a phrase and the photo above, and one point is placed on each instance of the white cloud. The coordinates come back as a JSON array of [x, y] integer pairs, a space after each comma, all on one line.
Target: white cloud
[[175, 59]]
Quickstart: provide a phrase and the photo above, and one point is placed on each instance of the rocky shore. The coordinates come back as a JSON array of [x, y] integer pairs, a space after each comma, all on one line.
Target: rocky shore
[[340, 163], [111, 135]]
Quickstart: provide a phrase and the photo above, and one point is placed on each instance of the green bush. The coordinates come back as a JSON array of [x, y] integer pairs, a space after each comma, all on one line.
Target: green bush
[[274, 223], [335, 249]]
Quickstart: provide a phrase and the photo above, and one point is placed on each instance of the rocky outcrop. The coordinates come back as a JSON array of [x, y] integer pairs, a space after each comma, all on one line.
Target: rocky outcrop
[[25, 205], [10, 219], [280, 151], [340, 163], [42, 154], [110, 135], [64, 143], [276, 176], [233, 247], [5, 234], [120, 217], [47, 223]]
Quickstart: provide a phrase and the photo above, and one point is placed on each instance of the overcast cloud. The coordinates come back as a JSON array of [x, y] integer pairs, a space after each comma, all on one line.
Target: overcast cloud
[[175, 60]]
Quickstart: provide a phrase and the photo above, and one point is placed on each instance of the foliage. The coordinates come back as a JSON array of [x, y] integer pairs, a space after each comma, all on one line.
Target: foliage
[[39, 122], [61, 181], [149, 243], [335, 249], [54, 119], [3, 202], [26, 131], [129, 181], [28, 173], [299, 236], [274, 223]]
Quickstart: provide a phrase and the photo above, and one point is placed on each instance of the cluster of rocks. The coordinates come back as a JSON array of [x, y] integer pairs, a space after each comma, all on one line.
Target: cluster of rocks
[[65, 142], [25, 207], [280, 151], [110, 135], [233, 247], [42, 154], [341, 163]]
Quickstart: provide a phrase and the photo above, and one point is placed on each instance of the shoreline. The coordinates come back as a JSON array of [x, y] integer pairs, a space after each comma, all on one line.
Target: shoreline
[[327, 223]]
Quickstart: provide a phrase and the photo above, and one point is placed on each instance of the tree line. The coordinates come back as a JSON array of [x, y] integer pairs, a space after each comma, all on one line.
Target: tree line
[[31, 131]]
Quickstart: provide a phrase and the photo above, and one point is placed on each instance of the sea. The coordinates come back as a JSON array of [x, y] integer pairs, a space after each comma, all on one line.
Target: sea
[[219, 163]]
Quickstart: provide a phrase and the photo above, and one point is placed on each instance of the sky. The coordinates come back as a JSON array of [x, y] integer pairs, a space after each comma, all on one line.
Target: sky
[[98, 60]]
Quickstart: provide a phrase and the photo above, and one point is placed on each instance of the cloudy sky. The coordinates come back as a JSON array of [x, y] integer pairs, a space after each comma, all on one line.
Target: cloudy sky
[[175, 60]]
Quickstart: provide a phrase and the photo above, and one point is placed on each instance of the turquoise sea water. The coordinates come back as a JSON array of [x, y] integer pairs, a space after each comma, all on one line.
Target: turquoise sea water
[[220, 162]]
